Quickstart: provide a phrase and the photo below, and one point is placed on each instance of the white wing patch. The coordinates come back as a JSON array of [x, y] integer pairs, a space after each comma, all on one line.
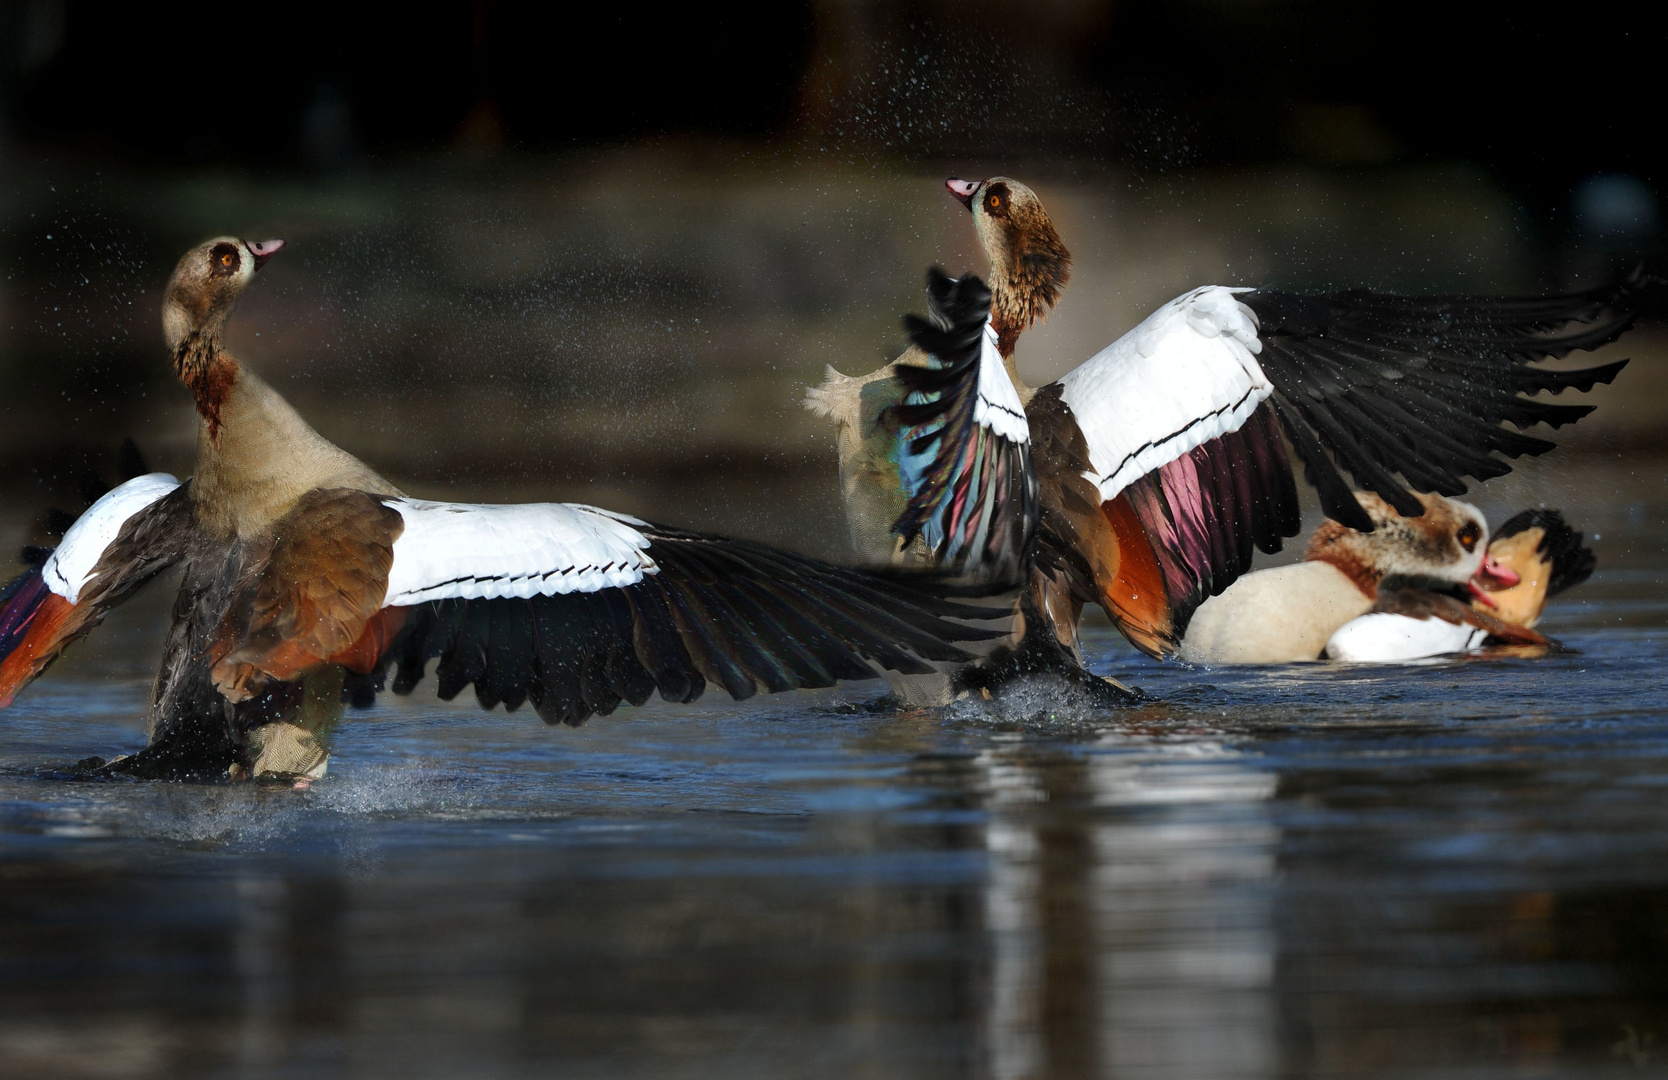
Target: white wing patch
[[70, 567], [1383, 637], [998, 407], [1185, 376], [471, 552]]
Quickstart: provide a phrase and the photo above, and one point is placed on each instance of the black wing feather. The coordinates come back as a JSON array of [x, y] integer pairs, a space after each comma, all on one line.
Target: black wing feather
[[976, 497], [1363, 381], [730, 612]]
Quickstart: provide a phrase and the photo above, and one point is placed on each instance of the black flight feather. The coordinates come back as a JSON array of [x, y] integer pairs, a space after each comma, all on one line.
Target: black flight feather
[[1363, 381]]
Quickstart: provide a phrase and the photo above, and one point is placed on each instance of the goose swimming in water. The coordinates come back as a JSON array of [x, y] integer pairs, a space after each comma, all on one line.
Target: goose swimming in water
[[1161, 461], [307, 576], [1288, 613], [1536, 555]]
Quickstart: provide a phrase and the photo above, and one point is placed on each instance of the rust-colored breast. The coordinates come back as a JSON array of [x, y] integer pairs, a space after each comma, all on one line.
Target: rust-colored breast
[[317, 596]]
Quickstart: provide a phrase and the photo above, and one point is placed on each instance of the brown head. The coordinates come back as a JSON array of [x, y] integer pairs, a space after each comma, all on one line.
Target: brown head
[[1443, 546], [1029, 263], [199, 299]]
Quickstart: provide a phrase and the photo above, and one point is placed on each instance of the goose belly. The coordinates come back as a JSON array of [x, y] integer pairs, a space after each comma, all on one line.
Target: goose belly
[[1274, 616]]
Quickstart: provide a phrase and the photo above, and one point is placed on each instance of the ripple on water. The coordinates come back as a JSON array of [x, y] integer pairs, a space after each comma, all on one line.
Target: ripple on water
[[734, 883]]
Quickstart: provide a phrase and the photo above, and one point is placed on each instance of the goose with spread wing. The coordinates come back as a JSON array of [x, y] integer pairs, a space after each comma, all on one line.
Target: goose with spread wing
[[309, 577], [962, 452], [1161, 460]]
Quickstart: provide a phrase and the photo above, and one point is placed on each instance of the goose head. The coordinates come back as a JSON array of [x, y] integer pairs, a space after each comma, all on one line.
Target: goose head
[[1444, 547], [1029, 263], [1535, 555], [199, 299], [205, 287]]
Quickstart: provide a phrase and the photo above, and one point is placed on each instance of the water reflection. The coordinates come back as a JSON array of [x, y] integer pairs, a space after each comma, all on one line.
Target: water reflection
[[1312, 872], [1136, 939]]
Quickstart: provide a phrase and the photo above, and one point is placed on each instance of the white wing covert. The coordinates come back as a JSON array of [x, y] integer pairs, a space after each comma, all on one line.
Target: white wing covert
[[1185, 376], [473, 551], [68, 570]]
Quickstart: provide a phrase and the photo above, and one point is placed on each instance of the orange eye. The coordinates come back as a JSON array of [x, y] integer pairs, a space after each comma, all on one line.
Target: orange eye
[[227, 259], [996, 202], [1469, 534]]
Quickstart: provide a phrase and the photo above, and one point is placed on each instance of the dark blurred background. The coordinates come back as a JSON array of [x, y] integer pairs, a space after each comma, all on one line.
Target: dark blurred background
[[592, 251]]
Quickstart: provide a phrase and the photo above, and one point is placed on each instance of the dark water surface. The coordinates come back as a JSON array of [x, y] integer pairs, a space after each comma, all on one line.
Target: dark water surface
[[1453, 870]]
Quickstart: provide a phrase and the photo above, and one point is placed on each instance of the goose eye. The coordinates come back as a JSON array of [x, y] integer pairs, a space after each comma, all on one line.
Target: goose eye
[[224, 259], [1468, 536]]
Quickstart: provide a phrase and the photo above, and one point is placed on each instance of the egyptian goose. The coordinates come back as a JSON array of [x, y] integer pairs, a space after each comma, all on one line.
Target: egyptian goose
[[1288, 613], [969, 491], [1535, 555], [1161, 460], [307, 576]]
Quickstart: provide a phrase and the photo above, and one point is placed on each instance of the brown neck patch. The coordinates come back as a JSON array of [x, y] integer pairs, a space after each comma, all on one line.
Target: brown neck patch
[[1038, 266], [1330, 545], [208, 372]]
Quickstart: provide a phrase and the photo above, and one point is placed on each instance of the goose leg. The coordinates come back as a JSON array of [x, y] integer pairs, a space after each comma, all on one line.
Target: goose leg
[[1042, 652], [298, 748]]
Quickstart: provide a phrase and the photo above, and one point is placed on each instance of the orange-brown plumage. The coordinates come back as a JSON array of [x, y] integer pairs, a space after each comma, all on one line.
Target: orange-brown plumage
[[53, 626], [313, 596], [1134, 592], [362, 656]]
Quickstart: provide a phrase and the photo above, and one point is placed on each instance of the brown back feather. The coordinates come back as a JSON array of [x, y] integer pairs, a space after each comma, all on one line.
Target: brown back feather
[[315, 594], [1098, 551], [1424, 604]]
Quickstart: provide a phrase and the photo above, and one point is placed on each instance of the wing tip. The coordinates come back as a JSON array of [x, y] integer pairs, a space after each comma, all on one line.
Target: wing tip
[[33, 620]]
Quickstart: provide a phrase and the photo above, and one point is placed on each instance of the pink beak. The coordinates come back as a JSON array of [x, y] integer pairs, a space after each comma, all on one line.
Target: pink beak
[[1491, 577], [963, 190], [263, 250]]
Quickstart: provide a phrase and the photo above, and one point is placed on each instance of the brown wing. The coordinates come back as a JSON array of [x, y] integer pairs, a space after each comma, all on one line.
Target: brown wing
[[37, 625], [316, 597], [715, 610], [1423, 604], [1097, 552]]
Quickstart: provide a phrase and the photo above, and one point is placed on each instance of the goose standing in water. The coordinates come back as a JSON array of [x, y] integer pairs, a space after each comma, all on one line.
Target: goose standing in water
[[1161, 461], [307, 576]]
